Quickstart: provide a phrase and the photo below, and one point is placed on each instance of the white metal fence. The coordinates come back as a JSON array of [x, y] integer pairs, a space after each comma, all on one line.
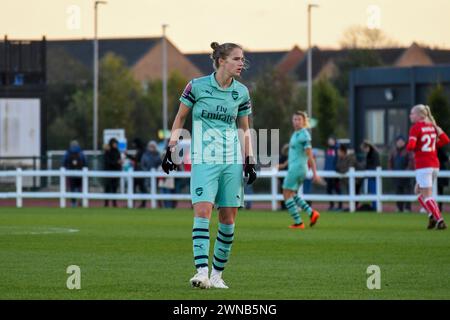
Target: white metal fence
[[85, 195]]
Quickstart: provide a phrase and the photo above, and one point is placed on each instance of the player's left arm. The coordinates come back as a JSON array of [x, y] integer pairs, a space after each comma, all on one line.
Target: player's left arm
[[312, 164], [244, 125], [249, 164], [243, 121], [412, 140]]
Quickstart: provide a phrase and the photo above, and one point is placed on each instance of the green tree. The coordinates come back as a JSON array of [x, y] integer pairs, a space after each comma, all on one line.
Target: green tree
[[148, 113], [61, 86], [123, 103], [60, 134], [327, 102], [440, 107], [274, 99], [356, 58], [79, 117], [74, 71], [119, 93]]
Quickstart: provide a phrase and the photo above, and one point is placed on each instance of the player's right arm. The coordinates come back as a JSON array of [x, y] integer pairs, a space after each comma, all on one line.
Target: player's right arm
[[167, 163], [187, 101], [178, 123], [413, 137]]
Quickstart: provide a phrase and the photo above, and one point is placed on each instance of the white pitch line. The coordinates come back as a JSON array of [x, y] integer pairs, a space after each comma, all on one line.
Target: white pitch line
[[15, 230]]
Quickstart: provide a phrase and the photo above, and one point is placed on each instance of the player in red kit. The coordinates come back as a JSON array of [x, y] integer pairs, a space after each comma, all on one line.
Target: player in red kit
[[424, 138]]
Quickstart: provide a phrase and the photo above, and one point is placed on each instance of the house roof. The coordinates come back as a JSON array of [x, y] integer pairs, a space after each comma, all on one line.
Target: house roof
[[131, 49], [438, 56], [291, 60], [202, 61], [257, 61], [320, 58], [294, 61]]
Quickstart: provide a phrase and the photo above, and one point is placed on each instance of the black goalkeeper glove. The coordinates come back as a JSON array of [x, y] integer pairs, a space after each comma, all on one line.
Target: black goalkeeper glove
[[249, 170], [167, 163]]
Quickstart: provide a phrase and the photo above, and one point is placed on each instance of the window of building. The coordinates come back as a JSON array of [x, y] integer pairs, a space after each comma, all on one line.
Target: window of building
[[375, 126], [397, 123]]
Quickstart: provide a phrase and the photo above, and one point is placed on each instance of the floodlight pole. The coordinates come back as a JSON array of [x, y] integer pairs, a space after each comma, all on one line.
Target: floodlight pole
[[164, 78], [95, 116], [309, 70]]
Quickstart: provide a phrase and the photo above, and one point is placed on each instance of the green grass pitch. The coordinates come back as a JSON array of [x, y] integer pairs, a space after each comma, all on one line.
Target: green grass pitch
[[147, 254]]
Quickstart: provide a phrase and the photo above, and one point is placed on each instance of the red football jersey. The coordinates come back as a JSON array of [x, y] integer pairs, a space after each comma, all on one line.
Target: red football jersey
[[424, 141]]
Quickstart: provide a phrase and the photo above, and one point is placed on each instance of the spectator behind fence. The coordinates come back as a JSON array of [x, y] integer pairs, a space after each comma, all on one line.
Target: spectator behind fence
[[283, 165], [138, 183], [151, 159], [112, 162], [372, 161], [401, 159], [443, 165], [344, 162], [182, 184], [333, 184], [74, 159], [307, 183], [167, 186]]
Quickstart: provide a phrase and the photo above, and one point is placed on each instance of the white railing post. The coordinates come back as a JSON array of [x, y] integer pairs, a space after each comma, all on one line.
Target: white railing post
[[274, 186], [153, 188], [271, 195], [62, 187], [435, 189], [352, 188], [130, 188], [379, 189], [85, 187], [122, 185], [49, 166], [19, 184]]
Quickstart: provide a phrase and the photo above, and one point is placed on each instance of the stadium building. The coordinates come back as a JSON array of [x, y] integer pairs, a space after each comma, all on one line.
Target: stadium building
[[381, 98]]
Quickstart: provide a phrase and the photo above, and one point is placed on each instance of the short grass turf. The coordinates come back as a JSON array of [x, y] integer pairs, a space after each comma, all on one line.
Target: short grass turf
[[147, 254]]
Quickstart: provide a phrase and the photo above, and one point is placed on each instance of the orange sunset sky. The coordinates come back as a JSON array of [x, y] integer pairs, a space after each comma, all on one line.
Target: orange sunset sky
[[256, 24]]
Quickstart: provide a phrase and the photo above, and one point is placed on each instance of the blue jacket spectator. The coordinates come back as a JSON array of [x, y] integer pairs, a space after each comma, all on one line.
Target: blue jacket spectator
[[331, 155], [74, 159], [151, 159]]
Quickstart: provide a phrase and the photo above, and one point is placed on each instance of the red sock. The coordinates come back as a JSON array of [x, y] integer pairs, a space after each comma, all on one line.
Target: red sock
[[434, 208], [424, 205]]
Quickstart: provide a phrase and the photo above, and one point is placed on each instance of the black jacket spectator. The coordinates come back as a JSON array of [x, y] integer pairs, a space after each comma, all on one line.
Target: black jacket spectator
[[372, 156], [112, 162], [371, 163], [138, 183], [401, 159]]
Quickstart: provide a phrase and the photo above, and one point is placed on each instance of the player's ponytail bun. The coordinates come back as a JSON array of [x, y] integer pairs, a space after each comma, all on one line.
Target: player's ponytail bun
[[429, 115], [215, 45]]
